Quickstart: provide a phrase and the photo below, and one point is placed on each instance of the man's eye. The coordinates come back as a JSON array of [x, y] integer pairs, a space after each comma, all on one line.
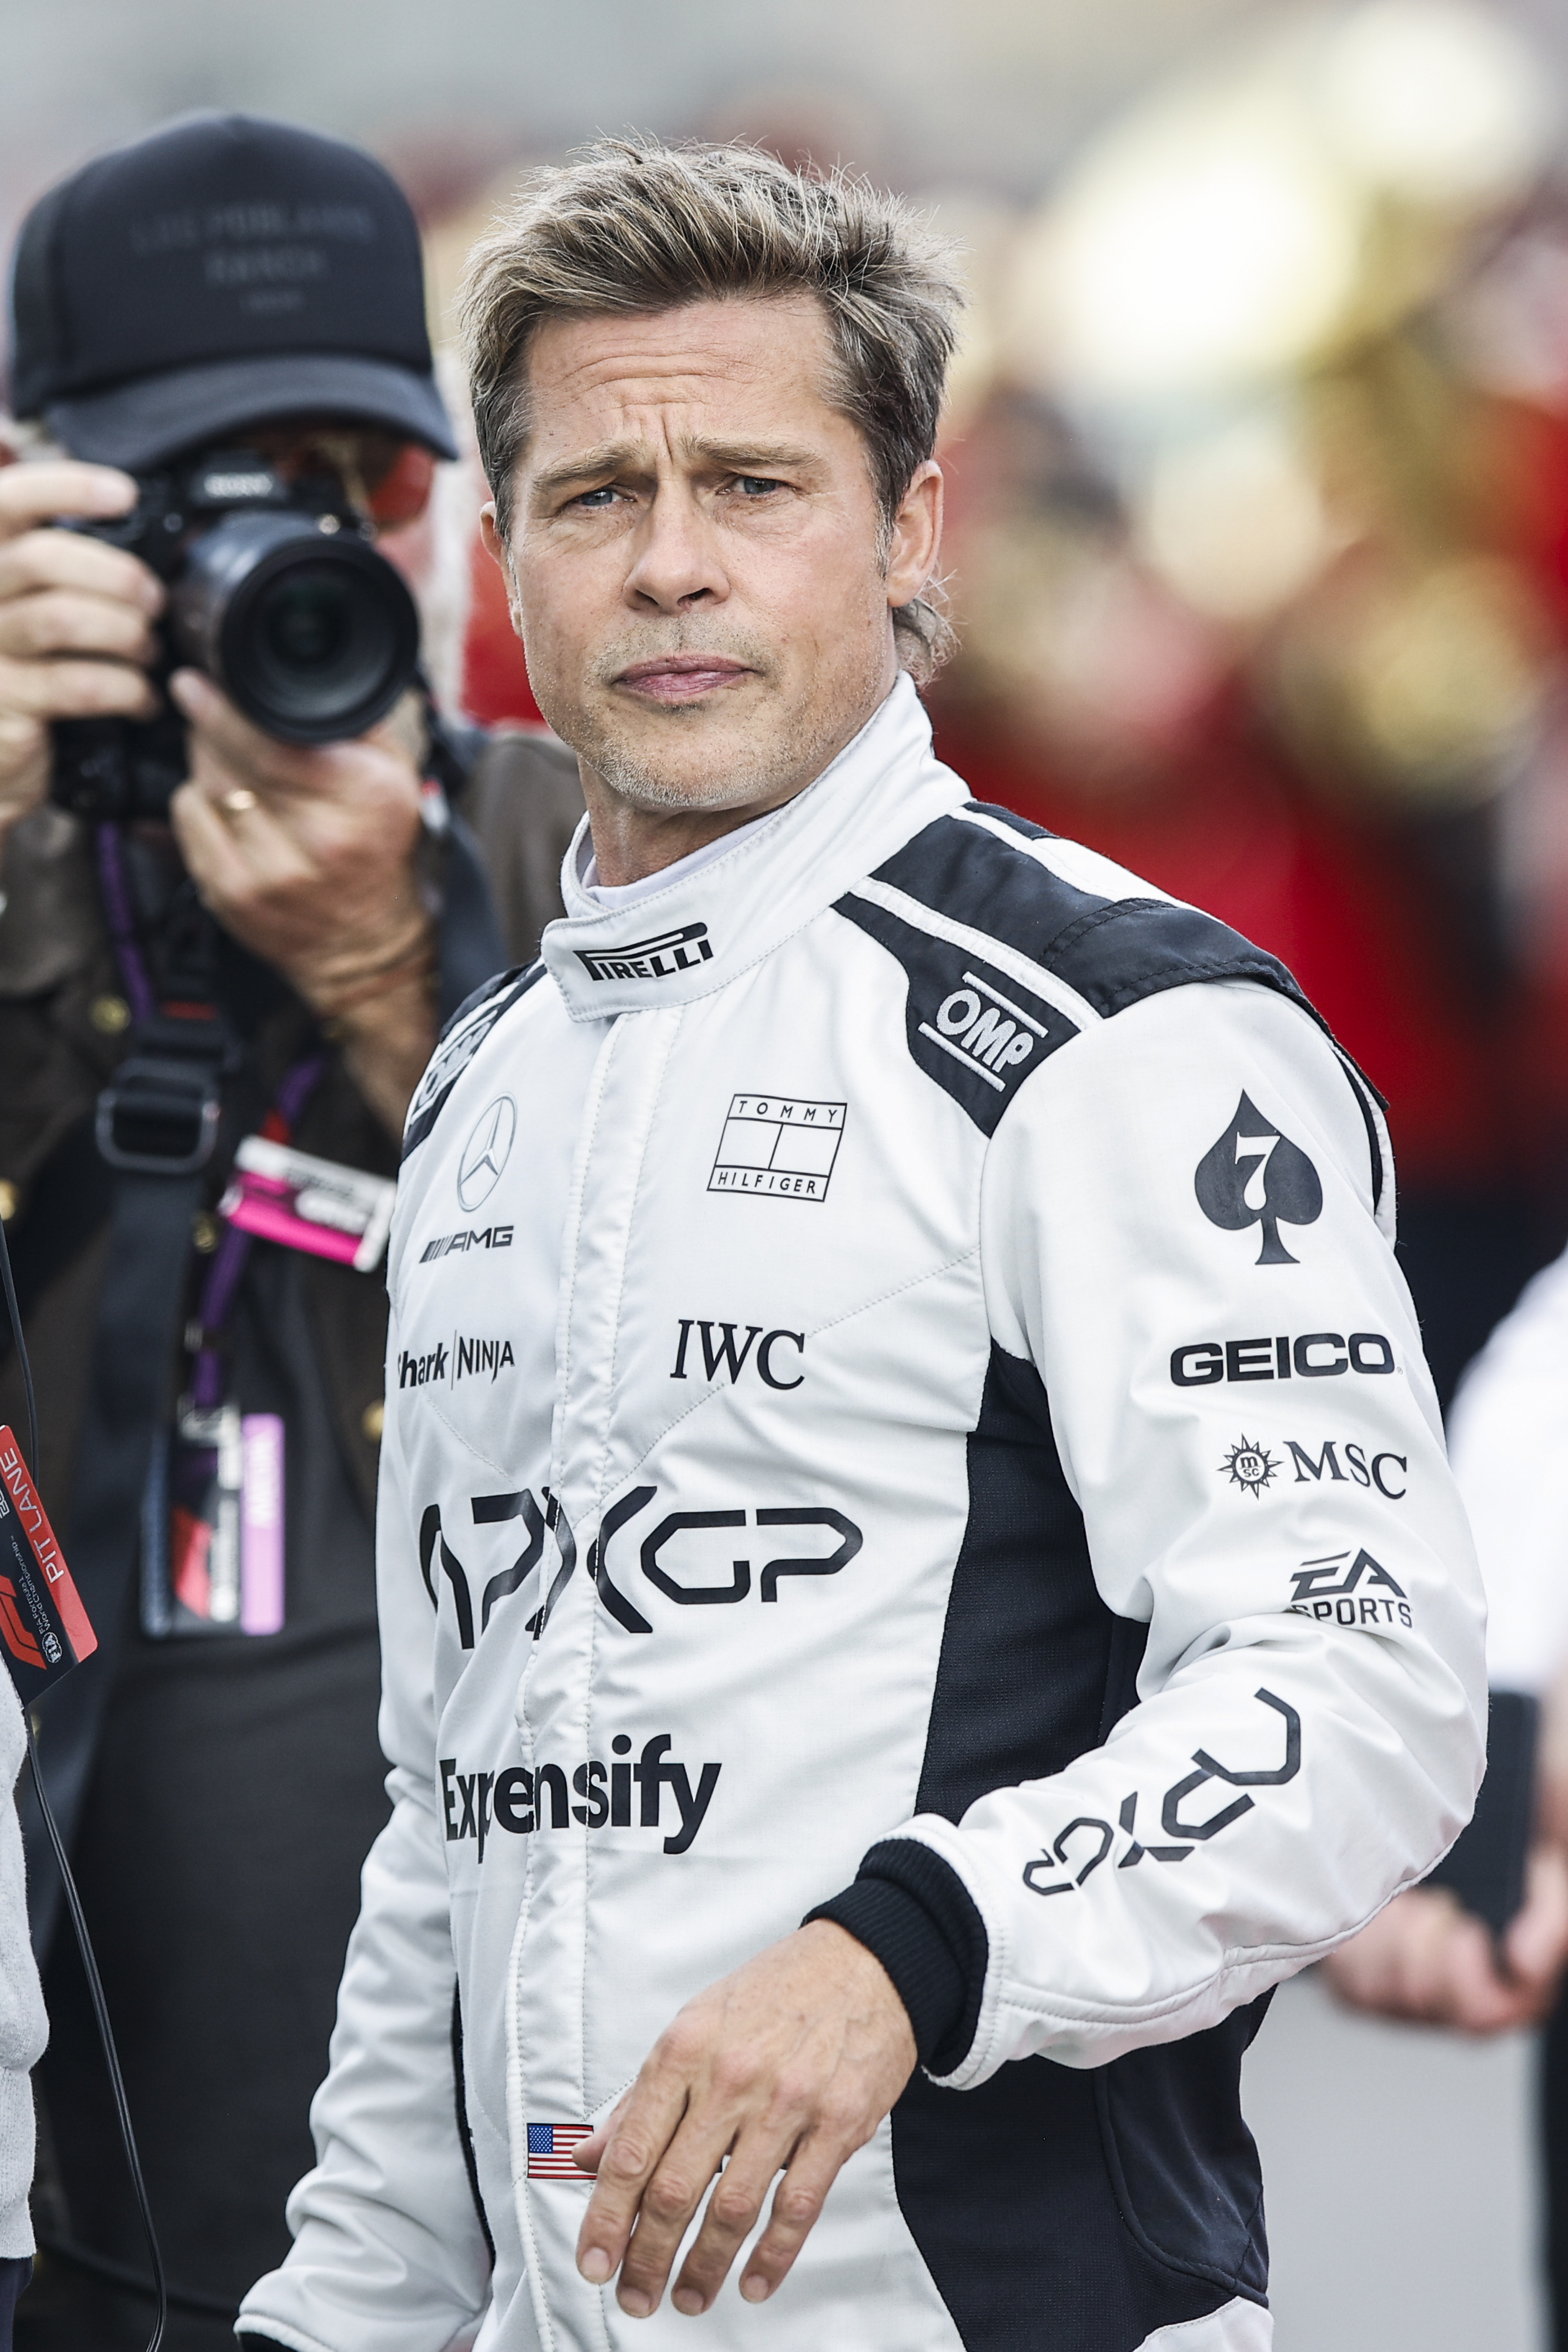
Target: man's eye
[[595, 500], [756, 486]]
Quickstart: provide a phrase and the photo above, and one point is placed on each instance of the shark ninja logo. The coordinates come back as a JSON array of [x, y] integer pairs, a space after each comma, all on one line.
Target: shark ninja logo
[[486, 1152], [1256, 1176]]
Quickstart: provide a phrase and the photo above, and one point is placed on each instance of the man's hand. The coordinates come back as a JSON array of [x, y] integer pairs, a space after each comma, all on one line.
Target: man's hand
[[76, 619], [307, 856], [789, 2065], [1426, 1961]]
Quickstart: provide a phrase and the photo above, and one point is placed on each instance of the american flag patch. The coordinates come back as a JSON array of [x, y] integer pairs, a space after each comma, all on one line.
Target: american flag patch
[[550, 2151]]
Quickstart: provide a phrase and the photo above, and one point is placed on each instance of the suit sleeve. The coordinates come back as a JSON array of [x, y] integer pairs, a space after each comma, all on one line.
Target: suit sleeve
[[1181, 1237], [387, 2253]]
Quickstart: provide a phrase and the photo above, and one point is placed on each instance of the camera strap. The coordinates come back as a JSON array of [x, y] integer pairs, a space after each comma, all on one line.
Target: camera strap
[[156, 1126]]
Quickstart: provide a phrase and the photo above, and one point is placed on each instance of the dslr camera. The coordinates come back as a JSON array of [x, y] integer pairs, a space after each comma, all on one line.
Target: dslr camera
[[277, 592]]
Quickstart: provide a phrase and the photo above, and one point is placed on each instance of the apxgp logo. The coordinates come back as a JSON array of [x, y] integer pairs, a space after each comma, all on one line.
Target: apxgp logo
[[1256, 1176], [656, 959]]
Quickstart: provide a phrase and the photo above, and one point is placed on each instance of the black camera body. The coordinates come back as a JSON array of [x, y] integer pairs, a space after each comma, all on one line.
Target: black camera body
[[277, 592]]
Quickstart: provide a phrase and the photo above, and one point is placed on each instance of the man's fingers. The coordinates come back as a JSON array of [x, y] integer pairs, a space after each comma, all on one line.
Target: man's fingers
[[664, 2214], [64, 559], [797, 2203], [639, 2139], [67, 620], [75, 689], [222, 737], [35, 493], [737, 2202]]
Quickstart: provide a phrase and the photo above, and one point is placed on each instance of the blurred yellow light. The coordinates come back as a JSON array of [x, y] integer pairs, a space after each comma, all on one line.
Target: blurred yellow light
[[1436, 102], [1449, 676], [1208, 244], [1234, 522]]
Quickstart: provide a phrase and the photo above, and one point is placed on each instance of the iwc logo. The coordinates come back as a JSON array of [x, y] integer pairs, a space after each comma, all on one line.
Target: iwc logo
[[486, 1152], [1249, 1466]]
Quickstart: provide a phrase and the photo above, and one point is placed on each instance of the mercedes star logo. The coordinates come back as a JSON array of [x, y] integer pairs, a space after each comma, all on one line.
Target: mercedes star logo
[[486, 1152]]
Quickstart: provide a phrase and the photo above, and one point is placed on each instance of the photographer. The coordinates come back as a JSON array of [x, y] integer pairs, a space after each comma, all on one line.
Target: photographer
[[214, 935]]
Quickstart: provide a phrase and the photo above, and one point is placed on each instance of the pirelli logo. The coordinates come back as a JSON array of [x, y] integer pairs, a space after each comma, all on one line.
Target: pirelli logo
[[656, 959], [778, 1145]]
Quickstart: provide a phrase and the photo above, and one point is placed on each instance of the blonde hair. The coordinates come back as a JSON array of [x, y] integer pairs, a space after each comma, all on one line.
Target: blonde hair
[[632, 225]]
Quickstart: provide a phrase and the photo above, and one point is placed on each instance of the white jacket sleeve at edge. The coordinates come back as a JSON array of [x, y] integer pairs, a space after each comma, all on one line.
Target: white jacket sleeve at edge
[[388, 2255], [1272, 1828]]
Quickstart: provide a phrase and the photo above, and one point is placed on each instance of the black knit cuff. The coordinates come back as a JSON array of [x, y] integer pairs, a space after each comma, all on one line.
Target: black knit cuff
[[914, 1911], [1486, 1868]]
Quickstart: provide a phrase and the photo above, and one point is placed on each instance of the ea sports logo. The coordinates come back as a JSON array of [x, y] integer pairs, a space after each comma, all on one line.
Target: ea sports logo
[[486, 1152]]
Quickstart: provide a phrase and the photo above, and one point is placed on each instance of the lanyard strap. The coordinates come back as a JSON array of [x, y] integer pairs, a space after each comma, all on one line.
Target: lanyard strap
[[232, 1254]]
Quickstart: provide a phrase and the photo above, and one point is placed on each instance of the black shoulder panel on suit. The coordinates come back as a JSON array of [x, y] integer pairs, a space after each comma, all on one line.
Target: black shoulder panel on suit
[[459, 1042], [1112, 952]]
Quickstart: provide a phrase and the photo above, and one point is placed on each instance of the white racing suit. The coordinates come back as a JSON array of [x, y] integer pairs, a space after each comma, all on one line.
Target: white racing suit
[[900, 1403]]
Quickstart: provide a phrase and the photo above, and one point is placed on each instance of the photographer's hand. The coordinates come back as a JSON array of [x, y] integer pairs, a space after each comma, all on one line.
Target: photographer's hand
[[76, 619], [307, 856]]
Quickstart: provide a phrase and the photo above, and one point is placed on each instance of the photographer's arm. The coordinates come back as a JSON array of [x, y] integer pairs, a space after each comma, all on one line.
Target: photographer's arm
[[76, 619], [307, 856]]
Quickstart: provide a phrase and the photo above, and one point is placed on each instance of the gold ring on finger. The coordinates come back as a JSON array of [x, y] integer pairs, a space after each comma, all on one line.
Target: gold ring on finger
[[236, 803]]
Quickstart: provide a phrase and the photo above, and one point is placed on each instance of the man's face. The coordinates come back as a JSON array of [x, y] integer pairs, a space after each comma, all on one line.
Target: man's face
[[697, 566]]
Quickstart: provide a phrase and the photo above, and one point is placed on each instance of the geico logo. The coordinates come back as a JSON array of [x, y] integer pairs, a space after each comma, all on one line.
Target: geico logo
[[980, 1026], [730, 1355], [1323, 1589], [1359, 1470], [453, 1245], [1315, 1356], [520, 1800]]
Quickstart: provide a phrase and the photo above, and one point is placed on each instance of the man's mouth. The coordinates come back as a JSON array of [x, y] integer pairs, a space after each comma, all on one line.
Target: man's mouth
[[682, 677]]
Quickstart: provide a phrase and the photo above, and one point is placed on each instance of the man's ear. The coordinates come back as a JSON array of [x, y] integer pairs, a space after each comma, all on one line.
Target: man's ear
[[916, 536], [495, 545], [497, 548]]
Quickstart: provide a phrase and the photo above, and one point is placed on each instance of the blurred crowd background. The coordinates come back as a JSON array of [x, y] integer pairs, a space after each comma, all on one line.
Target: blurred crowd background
[[1258, 450], [1258, 458]]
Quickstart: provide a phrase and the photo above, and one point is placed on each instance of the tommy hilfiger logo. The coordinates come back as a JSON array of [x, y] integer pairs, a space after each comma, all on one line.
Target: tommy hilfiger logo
[[778, 1145], [655, 959]]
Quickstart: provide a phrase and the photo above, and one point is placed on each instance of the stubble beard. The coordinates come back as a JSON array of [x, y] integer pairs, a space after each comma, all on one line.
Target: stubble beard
[[781, 753]]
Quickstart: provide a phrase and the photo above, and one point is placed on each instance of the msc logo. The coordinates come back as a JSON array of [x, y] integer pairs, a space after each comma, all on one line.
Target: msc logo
[[486, 1153], [656, 959], [983, 1030]]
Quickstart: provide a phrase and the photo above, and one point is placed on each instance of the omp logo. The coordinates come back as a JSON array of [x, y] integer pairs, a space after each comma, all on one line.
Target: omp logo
[[656, 959], [520, 1802], [983, 1030], [777, 1145], [486, 1153]]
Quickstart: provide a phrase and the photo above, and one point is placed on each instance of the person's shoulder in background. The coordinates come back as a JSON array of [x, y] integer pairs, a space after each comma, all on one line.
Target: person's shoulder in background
[[524, 802], [23, 2028]]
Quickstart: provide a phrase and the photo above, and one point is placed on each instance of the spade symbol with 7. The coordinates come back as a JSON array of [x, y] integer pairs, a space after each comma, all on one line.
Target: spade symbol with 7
[[1256, 1176]]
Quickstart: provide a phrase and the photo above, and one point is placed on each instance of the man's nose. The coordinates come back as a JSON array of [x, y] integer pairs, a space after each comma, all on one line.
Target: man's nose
[[677, 562]]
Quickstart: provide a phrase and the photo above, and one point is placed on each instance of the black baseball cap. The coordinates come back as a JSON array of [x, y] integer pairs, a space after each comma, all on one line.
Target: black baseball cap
[[226, 271]]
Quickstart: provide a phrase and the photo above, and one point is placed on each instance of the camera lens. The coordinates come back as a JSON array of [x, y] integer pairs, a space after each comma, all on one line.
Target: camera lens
[[313, 637]]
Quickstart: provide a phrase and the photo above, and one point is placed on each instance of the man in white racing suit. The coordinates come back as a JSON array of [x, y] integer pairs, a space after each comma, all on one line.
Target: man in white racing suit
[[902, 1415]]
